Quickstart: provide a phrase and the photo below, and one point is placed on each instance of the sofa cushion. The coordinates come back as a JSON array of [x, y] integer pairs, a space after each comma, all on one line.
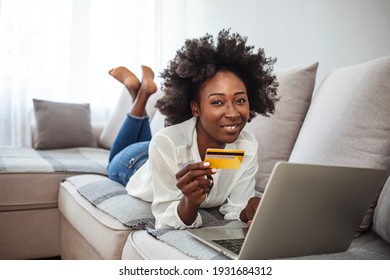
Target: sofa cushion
[[109, 203], [62, 125], [96, 234], [112, 198], [277, 134], [29, 184], [348, 121], [80, 160], [29, 179], [141, 245]]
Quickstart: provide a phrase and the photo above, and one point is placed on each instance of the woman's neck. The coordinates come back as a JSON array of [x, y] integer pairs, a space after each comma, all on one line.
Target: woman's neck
[[204, 142]]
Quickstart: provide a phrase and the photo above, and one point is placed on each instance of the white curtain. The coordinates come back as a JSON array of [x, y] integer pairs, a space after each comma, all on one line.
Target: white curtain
[[61, 50]]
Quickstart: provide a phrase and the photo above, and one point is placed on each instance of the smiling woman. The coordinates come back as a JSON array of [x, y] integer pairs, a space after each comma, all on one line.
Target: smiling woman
[[210, 90]]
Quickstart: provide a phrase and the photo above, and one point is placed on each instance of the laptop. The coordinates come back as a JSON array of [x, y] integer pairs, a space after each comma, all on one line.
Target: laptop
[[305, 210]]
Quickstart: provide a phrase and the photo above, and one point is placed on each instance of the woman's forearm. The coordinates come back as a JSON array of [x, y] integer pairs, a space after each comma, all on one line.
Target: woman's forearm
[[187, 211]]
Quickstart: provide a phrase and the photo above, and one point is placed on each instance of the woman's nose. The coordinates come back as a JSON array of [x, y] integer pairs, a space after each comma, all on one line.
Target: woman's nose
[[231, 111]]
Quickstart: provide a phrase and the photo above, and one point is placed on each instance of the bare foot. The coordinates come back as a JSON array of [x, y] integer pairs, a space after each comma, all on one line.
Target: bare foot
[[148, 86], [127, 78]]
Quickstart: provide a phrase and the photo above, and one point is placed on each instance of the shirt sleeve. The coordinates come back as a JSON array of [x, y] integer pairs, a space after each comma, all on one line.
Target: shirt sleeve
[[243, 190], [163, 161]]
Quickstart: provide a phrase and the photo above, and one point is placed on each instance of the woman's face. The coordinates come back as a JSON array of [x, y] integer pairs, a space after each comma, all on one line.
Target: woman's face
[[223, 110]]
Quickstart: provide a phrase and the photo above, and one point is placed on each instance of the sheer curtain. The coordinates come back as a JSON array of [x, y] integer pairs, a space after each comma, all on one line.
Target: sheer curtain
[[62, 50]]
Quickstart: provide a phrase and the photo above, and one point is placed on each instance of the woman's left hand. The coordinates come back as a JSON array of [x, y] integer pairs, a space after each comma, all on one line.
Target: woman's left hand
[[249, 211]]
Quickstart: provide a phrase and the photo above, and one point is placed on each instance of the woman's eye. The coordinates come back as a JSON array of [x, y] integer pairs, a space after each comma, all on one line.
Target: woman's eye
[[241, 100], [216, 102]]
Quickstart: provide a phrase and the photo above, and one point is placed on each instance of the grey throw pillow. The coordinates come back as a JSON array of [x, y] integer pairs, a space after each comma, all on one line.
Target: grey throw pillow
[[348, 122], [277, 134], [62, 125]]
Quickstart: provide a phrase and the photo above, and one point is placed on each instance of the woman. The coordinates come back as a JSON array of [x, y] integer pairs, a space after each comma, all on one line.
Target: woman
[[211, 92]]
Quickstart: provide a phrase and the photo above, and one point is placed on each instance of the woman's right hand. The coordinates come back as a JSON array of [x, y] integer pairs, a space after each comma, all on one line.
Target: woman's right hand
[[195, 182]]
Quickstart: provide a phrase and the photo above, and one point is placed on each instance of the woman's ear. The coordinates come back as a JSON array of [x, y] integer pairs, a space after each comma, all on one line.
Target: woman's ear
[[194, 108]]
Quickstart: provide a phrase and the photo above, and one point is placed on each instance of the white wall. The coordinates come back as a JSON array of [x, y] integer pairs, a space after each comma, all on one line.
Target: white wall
[[297, 32]]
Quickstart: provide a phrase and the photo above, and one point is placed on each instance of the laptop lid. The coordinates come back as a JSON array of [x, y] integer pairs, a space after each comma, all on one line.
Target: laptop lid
[[305, 210]]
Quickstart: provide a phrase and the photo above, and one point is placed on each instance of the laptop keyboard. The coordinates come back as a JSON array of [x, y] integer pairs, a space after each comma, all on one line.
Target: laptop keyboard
[[233, 245]]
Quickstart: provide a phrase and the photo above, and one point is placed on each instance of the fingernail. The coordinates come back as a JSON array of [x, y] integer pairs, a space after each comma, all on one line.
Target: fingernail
[[214, 170], [206, 163]]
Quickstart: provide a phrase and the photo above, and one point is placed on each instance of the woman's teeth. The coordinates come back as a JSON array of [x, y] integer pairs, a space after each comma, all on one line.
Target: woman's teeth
[[231, 127]]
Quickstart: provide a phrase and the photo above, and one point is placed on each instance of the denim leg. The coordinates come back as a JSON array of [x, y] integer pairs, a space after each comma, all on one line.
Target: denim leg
[[127, 162], [145, 133], [133, 130]]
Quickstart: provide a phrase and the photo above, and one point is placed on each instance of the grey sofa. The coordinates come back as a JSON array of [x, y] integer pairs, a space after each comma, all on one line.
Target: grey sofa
[[78, 213]]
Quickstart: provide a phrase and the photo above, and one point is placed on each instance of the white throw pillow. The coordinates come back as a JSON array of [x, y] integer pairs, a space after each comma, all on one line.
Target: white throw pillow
[[122, 108], [110, 130], [277, 134], [348, 122]]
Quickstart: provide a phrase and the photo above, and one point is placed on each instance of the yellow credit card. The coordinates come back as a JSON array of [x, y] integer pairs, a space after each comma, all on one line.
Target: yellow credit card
[[224, 158]]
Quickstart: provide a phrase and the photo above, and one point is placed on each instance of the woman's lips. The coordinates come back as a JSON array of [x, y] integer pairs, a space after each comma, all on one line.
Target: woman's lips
[[231, 127]]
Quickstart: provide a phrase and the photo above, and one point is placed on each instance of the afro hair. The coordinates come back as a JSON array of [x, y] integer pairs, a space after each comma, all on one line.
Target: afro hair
[[200, 59]]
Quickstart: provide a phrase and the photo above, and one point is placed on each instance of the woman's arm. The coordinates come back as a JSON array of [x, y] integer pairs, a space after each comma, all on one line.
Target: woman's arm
[[178, 193], [193, 182], [249, 211]]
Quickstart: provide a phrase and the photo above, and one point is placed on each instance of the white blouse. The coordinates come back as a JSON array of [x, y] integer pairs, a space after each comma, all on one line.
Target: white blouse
[[173, 147]]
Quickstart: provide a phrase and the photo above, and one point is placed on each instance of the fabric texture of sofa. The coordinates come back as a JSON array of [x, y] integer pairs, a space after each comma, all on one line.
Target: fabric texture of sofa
[[68, 207]]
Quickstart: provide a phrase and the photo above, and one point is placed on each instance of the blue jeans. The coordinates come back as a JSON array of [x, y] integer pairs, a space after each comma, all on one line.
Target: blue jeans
[[130, 149]]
